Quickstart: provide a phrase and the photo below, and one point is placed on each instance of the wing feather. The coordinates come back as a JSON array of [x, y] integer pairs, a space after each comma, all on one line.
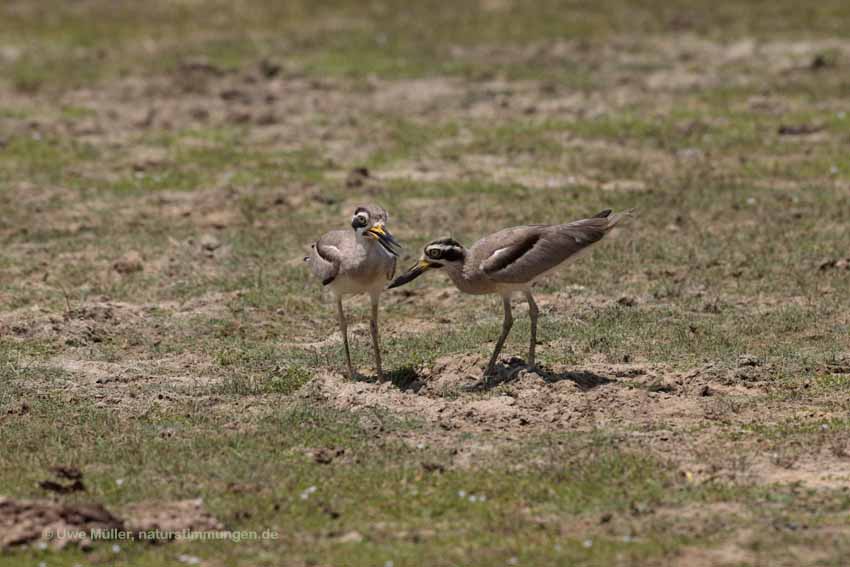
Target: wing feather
[[325, 256], [520, 254]]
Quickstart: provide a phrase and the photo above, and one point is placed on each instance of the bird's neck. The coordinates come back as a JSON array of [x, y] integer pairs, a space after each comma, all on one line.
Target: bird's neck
[[364, 242], [458, 275], [370, 246]]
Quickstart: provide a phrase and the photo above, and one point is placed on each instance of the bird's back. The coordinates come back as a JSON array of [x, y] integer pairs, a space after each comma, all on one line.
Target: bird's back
[[520, 254]]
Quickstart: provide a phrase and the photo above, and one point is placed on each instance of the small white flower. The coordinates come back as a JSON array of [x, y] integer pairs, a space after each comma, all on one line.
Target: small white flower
[[116, 548], [587, 543], [41, 546], [513, 561], [389, 564], [42, 564], [188, 559], [461, 493], [119, 481], [307, 492]]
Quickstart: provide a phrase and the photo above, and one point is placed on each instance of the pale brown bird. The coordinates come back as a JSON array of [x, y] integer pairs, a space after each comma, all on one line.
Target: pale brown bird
[[350, 262], [510, 261]]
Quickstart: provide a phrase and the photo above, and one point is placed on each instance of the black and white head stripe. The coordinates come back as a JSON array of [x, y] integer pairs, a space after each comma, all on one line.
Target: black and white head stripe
[[373, 213], [360, 218], [445, 249]]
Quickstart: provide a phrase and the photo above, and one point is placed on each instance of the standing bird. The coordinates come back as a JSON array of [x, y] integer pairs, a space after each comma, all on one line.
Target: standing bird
[[359, 261], [511, 260]]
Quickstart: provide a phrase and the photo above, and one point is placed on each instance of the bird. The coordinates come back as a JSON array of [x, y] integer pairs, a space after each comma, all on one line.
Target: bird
[[510, 261], [351, 262]]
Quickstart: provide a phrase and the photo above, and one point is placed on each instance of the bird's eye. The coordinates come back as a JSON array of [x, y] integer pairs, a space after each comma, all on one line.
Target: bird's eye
[[433, 253]]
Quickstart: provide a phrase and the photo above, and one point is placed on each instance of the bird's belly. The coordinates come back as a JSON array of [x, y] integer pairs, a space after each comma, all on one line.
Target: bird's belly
[[485, 286], [358, 282]]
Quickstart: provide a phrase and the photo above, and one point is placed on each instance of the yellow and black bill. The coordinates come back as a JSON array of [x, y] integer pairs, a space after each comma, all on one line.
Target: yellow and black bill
[[414, 272], [385, 239]]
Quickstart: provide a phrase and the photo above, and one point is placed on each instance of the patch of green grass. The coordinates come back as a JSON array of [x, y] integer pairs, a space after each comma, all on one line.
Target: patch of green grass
[[391, 484], [402, 138], [42, 159], [526, 137], [81, 43], [528, 512]]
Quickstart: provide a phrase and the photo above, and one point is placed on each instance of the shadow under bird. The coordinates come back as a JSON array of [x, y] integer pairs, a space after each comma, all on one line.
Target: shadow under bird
[[350, 262], [510, 261]]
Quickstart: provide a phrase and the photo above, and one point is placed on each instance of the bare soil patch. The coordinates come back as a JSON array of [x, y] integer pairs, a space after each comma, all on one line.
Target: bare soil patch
[[57, 524]]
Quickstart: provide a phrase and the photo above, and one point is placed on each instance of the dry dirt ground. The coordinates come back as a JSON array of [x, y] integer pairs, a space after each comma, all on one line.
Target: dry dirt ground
[[166, 361]]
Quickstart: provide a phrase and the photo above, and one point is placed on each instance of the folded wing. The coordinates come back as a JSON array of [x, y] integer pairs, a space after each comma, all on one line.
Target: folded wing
[[325, 256], [520, 254]]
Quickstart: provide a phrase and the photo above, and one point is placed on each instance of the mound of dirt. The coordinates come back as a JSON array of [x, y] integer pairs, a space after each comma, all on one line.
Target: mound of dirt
[[28, 521], [452, 374], [170, 517], [451, 393], [57, 524]]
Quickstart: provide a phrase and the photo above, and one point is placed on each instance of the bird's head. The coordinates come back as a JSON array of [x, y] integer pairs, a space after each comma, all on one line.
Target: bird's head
[[369, 221], [445, 252]]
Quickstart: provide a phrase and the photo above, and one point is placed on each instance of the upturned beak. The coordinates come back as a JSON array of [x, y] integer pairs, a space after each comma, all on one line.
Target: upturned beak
[[414, 272], [384, 238]]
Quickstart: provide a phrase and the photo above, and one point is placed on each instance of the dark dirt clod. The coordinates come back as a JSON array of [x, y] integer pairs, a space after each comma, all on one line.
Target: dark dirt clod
[[746, 360], [798, 129], [357, 177], [820, 61], [433, 467], [324, 455], [269, 69], [200, 65], [838, 264], [26, 521], [60, 488], [129, 263]]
